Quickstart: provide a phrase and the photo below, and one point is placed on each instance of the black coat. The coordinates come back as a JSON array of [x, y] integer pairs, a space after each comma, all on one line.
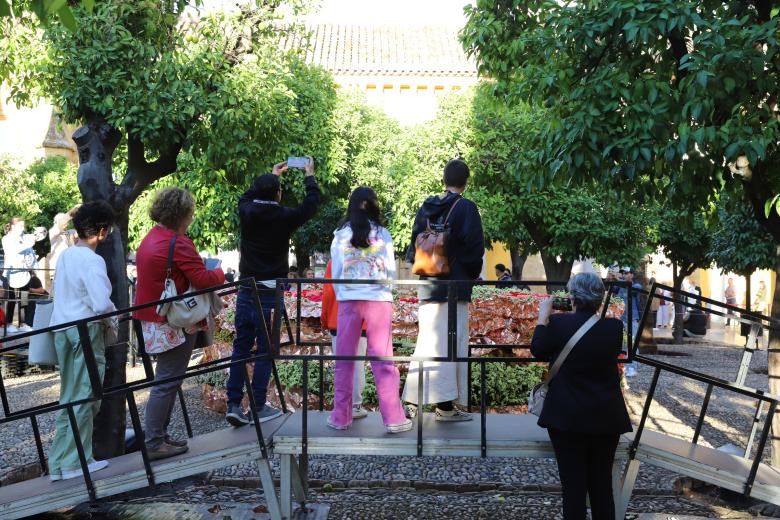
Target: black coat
[[465, 243], [266, 228], [585, 395]]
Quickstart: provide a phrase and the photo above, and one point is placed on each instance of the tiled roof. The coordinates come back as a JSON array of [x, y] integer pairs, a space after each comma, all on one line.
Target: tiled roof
[[386, 50]]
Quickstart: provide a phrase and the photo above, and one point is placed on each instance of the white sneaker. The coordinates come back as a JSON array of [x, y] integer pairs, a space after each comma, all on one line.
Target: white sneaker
[[54, 477], [358, 412], [630, 371], [398, 428], [11, 329], [25, 328], [93, 467]]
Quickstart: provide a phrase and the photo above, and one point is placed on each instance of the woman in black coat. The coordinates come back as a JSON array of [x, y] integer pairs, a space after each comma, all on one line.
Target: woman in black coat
[[584, 411]]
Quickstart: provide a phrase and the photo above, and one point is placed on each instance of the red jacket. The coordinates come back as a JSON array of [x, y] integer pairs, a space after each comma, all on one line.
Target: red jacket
[[330, 306], [152, 263]]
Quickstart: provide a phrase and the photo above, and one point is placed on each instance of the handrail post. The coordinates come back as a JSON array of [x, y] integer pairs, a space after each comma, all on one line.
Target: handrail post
[[253, 408], [269, 353], [642, 322], [703, 412], [483, 409], [3, 395], [761, 445], [74, 428], [184, 413], [753, 428], [145, 359], [420, 376], [39, 444], [645, 412], [140, 438], [629, 310], [305, 424], [89, 359]]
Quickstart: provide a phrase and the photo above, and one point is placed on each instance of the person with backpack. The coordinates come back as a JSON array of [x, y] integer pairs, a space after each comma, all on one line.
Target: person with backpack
[[456, 219], [363, 249]]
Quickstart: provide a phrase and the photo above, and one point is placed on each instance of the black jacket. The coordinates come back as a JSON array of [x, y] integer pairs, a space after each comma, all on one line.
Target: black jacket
[[465, 243], [266, 228], [585, 395]]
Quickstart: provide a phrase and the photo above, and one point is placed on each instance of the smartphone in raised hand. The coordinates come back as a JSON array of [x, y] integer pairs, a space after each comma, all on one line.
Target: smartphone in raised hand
[[212, 263], [297, 162]]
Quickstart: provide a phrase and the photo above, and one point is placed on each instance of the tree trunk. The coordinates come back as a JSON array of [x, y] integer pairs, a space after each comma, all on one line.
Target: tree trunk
[[556, 271], [302, 260], [678, 275], [773, 367], [96, 144], [518, 262]]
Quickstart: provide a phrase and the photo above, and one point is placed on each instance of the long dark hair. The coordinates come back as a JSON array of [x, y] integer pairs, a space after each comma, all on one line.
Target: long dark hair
[[362, 212]]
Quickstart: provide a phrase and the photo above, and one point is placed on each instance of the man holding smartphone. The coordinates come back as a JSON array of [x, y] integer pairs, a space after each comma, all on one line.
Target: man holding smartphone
[[266, 228]]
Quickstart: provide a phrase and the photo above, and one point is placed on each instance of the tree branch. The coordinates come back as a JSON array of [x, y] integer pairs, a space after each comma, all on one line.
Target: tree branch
[[764, 8], [758, 190], [679, 49], [141, 173]]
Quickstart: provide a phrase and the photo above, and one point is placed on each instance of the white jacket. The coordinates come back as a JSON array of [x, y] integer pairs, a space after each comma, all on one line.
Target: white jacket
[[376, 262], [19, 258]]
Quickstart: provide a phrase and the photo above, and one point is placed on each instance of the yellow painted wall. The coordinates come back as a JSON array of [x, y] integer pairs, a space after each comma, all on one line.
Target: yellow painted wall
[[498, 255]]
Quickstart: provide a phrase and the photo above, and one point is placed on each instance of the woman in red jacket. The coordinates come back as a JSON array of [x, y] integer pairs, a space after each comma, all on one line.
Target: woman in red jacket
[[172, 210]]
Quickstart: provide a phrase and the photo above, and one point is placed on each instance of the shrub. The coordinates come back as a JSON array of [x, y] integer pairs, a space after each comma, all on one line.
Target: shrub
[[507, 383]]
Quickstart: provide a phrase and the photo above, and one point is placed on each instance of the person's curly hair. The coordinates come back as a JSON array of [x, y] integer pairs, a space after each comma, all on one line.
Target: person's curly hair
[[171, 206]]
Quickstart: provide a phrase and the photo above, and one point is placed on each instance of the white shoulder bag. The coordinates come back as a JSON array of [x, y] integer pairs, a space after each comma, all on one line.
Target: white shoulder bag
[[187, 311]]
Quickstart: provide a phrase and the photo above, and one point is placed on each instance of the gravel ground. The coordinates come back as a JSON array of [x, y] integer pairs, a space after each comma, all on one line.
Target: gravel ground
[[674, 411], [407, 503]]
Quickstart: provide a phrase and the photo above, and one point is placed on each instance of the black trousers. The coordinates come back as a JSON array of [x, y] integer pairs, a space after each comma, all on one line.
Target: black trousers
[[585, 467], [13, 295]]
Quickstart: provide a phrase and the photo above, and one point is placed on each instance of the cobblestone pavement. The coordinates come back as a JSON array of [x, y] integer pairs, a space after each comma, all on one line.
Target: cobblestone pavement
[[407, 503]]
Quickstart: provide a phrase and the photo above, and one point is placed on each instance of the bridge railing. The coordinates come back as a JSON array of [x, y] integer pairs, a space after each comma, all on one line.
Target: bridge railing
[[128, 389], [756, 322]]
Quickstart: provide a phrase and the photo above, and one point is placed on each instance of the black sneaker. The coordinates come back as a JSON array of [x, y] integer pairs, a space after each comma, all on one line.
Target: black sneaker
[[268, 412], [236, 417]]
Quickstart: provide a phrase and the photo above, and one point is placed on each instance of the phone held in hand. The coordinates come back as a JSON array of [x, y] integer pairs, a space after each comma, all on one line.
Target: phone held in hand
[[297, 162], [212, 263]]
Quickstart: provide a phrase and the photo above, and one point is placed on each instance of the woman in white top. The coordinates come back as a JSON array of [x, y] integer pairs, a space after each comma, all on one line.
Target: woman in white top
[[363, 249], [82, 290], [19, 260]]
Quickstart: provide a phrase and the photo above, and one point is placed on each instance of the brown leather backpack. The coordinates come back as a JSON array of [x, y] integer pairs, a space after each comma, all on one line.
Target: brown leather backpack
[[430, 249]]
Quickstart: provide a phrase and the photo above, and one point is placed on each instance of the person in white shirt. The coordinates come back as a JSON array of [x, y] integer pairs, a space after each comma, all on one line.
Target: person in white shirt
[[19, 259], [82, 290], [363, 249]]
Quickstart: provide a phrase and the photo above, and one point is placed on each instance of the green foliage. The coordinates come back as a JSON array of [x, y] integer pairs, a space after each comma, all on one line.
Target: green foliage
[[54, 179], [507, 383], [565, 221], [652, 96], [46, 10], [317, 234], [685, 239], [740, 244], [422, 152], [18, 197]]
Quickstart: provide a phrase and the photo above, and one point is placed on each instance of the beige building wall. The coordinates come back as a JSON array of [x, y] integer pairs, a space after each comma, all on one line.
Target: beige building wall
[[409, 99], [28, 134]]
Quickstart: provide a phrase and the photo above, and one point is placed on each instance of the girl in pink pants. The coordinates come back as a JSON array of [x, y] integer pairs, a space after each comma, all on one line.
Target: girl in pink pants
[[362, 249]]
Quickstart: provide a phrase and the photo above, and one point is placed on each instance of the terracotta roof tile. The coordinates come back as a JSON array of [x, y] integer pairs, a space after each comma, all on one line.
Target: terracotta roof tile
[[364, 49]]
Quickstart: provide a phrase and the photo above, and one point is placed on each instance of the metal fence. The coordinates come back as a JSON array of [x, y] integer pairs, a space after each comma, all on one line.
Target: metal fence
[[273, 334]]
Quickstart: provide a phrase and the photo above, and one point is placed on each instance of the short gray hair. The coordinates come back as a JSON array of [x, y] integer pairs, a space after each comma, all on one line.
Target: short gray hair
[[587, 288]]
